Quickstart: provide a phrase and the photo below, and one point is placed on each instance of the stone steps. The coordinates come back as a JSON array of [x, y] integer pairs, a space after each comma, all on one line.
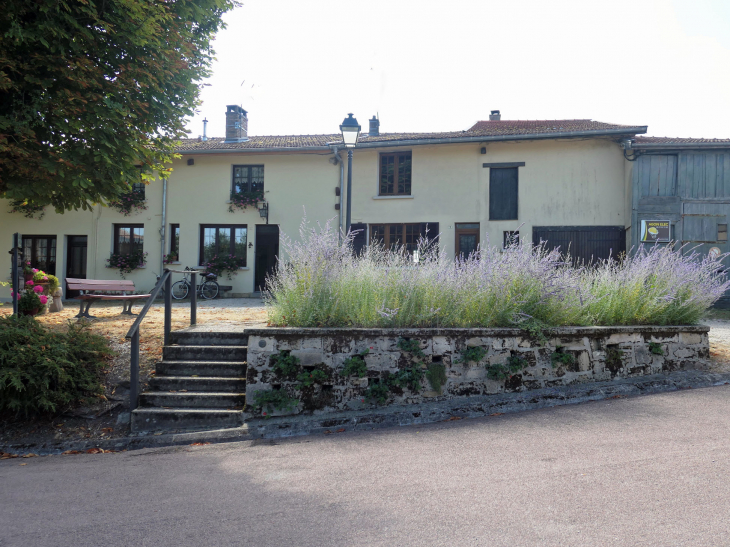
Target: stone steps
[[161, 419], [193, 399], [220, 369], [204, 353], [199, 384]]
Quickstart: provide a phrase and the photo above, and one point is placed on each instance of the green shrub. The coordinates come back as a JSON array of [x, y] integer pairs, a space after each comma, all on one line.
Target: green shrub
[[558, 358], [436, 376], [285, 365], [656, 348], [355, 366], [309, 378], [497, 372], [273, 399], [42, 371], [472, 354], [407, 378], [378, 392], [513, 365], [410, 346]]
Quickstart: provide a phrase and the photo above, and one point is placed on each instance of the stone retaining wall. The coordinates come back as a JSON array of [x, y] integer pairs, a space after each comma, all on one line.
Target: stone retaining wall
[[401, 361]]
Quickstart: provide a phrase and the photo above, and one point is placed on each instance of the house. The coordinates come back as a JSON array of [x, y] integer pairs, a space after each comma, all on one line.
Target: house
[[570, 182]]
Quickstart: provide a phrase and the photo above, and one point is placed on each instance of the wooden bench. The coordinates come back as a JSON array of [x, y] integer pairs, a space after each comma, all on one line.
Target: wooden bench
[[96, 285]]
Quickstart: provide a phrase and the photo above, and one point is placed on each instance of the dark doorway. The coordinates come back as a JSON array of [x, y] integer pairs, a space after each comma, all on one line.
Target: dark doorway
[[75, 261], [467, 238], [267, 249], [40, 251]]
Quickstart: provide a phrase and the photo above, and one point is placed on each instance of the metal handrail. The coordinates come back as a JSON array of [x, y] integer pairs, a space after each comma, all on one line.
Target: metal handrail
[[133, 334]]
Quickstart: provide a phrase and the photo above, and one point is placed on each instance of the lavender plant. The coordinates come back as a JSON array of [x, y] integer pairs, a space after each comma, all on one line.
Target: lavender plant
[[319, 282]]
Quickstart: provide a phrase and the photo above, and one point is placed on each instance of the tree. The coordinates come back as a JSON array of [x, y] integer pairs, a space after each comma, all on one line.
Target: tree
[[93, 93]]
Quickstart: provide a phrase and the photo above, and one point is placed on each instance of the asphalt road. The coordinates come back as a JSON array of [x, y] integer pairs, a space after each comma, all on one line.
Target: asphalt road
[[651, 470]]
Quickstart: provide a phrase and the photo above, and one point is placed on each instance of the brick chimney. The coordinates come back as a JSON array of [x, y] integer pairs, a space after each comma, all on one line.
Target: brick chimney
[[374, 127], [495, 116], [236, 124]]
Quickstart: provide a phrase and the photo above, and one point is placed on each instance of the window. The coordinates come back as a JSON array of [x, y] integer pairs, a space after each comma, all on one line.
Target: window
[[128, 238], [41, 252], [248, 178], [139, 188], [395, 174], [509, 238], [175, 242], [503, 193], [722, 232], [392, 236], [220, 239]]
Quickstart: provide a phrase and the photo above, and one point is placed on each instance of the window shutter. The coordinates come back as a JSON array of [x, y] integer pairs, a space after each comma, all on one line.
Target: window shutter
[[359, 241], [503, 193], [433, 231]]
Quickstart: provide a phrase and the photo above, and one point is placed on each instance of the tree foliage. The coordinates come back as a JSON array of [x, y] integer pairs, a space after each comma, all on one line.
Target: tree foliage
[[93, 93]]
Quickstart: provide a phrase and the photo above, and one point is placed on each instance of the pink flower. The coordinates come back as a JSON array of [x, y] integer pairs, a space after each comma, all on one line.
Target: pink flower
[[30, 283], [44, 299], [35, 270], [45, 278], [12, 293], [38, 289]]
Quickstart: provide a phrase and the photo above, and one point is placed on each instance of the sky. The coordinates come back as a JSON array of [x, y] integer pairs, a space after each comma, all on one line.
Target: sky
[[299, 67]]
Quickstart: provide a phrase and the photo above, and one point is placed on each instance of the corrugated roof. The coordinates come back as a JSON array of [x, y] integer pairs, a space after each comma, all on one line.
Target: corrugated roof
[[487, 129]]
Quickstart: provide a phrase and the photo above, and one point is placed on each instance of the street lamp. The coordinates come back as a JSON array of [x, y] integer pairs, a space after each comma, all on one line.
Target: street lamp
[[350, 132]]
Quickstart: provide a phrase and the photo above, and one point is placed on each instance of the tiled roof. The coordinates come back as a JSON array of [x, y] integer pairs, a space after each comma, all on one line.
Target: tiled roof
[[486, 129], [679, 140]]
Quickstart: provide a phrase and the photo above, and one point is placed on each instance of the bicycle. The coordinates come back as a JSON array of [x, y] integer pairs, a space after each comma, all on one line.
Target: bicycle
[[208, 289]]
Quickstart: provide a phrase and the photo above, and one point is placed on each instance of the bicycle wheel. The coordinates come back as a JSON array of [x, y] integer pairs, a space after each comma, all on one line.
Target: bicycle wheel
[[179, 290], [209, 290]]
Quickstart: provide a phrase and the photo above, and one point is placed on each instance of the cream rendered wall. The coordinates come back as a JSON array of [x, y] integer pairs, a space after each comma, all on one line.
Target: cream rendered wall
[[198, 194], [563, 183], [97, 225]]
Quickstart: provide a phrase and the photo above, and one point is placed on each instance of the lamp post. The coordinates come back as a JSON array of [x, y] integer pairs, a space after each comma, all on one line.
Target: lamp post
[[350, 132]]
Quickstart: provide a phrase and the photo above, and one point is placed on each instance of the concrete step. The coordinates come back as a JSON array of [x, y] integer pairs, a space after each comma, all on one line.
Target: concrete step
[[156, 419], [220, 369], [204, 353], [200, 338], [198, 384], [222, 400]]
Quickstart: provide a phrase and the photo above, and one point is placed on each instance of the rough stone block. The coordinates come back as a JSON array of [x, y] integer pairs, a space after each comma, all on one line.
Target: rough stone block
[[382, 361], [642, 356], [263, 343], [498, 358], [584, 361], [442, 345], [690, 338], [289, 344], [684, 353], [308, 358], [312, 343]]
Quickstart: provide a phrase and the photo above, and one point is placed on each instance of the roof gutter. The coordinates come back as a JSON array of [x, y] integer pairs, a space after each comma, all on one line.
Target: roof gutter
[[418, 142]]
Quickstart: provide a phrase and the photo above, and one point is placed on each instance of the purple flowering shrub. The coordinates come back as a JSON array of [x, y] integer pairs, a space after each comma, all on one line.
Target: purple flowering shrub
[[319, 282], [656, 285]]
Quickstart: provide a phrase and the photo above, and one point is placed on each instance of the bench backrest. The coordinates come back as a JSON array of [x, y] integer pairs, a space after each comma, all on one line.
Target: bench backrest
[[100, 284]]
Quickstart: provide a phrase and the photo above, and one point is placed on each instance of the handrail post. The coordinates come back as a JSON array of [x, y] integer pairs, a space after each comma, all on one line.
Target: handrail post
[[193, 300], [168, 306], [134, 372], [14, 274]]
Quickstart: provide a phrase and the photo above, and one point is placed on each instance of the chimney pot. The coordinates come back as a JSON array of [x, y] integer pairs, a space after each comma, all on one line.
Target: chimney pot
[[236, 124], [495, 116], [374, 127]]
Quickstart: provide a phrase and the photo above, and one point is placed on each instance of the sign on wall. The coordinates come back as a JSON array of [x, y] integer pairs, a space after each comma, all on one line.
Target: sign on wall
[[655, 230]]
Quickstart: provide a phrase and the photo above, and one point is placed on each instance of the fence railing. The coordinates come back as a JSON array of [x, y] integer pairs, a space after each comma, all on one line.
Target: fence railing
[[165, 281]]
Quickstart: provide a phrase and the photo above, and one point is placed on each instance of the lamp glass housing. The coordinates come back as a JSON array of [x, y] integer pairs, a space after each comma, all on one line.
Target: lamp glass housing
[[350, 131]]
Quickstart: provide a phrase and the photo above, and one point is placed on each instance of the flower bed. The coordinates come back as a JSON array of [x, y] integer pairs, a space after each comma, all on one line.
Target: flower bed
[[291, 371], [325, 285]]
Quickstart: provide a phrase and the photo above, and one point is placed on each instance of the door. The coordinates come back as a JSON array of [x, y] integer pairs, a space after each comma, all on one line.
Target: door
[[267, 250], [75, 261], [467, 238]]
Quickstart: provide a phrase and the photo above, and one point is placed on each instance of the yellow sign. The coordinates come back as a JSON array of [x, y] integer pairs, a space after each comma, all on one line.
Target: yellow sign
[[655, 230]]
